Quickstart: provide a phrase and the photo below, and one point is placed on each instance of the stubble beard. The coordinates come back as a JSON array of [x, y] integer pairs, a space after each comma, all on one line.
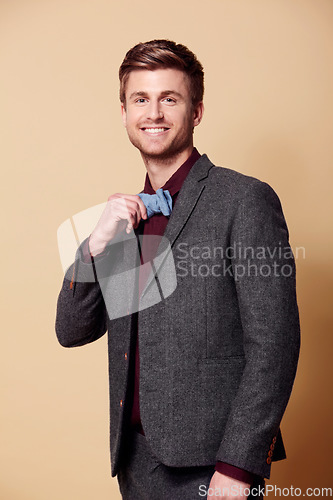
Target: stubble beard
[[166, 155]]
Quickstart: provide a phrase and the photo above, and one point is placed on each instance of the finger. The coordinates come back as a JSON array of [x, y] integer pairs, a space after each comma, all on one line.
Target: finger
[[124, 209], [134, 198], [138, 210], [130, 225], [143, 208], [132, 221], [134, 216]]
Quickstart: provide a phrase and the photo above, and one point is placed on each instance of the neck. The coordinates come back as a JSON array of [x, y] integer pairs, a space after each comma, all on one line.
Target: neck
[[161, 169]]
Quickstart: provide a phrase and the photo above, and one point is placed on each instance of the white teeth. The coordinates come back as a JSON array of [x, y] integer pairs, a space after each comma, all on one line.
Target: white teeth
[[154, 130]]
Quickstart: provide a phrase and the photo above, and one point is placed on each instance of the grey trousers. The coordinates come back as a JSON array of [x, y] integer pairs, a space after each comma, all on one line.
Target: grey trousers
[[143, 477]]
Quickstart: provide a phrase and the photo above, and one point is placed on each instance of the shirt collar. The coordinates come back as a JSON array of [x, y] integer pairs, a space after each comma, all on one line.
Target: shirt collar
[[175, 182]]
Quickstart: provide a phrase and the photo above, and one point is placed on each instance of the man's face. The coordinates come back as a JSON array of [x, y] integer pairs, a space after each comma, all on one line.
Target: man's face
[[159, 116]]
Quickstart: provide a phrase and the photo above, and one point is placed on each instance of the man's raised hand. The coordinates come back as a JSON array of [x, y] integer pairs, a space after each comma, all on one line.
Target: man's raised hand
[[122, 212]]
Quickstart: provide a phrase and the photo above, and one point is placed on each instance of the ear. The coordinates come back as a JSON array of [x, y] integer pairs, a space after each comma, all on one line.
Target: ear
[[123, 114], [198, 111]]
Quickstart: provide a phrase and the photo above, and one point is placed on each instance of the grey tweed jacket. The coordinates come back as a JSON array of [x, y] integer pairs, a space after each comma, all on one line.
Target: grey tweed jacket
[[218, 355]]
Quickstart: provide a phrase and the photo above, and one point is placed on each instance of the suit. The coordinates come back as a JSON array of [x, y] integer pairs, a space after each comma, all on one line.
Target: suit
[[218, 354]]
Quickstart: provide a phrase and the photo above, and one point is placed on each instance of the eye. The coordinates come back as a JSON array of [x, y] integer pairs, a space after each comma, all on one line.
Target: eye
[[141, 100], [169, 100]]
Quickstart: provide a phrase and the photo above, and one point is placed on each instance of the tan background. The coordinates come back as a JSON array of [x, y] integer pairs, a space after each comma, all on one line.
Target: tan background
[[269, 82]]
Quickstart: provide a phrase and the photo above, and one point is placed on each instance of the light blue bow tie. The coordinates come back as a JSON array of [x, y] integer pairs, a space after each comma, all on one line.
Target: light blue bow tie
[[161, 202]]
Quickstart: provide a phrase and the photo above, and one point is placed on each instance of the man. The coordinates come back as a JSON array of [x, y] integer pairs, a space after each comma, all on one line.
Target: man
[[199, 381]]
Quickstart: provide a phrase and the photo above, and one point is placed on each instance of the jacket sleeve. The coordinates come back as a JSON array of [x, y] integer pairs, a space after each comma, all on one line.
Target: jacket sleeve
[[81, 313], [264, 274]]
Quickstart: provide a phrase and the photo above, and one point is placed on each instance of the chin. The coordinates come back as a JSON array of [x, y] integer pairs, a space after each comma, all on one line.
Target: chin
[[158, 151], [161, 154], [153, 152]]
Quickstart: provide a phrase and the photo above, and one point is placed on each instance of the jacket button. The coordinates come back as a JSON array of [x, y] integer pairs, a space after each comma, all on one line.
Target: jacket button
[[269, 460], [270, 453], [272, 446], [125, 356], [121, 402], [274, 440]]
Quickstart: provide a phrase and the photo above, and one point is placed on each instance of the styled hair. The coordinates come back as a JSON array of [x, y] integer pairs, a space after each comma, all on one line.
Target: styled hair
[[158, 54]]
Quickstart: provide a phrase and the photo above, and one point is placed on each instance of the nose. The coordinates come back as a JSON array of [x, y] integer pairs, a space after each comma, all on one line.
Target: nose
[[155, 111]]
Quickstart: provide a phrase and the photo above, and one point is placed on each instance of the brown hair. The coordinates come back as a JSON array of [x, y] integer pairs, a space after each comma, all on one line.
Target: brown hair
[[158, 54]]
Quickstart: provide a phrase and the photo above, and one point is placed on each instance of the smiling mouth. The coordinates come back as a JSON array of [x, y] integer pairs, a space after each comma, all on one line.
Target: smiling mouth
[[155, 130]]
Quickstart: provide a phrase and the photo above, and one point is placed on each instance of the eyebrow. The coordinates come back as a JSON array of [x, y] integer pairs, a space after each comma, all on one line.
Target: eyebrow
[[141, 93]]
